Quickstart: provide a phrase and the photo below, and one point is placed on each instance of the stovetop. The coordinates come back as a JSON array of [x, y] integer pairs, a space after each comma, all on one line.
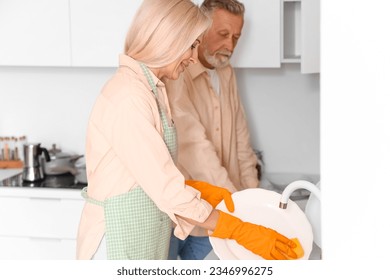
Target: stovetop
[[67, 181]]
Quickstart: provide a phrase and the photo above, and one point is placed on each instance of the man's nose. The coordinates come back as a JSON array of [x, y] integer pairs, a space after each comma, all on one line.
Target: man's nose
[[230, 44]]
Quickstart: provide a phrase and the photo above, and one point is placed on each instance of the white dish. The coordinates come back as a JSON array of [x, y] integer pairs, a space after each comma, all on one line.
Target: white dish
[[261, 207]]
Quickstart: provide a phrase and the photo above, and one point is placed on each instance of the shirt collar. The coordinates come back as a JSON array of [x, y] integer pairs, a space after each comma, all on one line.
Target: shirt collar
[[132, 64], [196, 69]]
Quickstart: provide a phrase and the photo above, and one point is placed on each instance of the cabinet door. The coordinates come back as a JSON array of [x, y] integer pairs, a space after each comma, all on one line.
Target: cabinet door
[[26, 248], [259, 45], [310, 29], [34, 33], [32, 217], [98, 29]]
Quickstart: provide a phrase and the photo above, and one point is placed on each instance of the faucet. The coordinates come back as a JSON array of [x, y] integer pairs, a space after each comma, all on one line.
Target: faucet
[[297, 185]]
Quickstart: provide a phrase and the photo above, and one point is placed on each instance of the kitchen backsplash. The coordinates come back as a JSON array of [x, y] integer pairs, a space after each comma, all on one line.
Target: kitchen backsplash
[[283, 110], [52, 105]]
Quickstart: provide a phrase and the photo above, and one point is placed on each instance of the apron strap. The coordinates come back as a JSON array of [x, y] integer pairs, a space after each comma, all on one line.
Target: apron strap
[[84, 194], [148, 76], [170, 137]]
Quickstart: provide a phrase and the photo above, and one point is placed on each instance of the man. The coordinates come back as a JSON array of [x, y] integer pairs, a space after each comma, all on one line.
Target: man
[[214, 141]]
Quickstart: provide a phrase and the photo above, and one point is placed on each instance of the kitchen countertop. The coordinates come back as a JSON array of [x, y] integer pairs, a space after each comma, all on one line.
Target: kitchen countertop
[[5, 173], [35, 192]]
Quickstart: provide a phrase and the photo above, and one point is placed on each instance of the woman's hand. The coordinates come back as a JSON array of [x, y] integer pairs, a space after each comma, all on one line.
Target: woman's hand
[[260, 240], [213, 194]]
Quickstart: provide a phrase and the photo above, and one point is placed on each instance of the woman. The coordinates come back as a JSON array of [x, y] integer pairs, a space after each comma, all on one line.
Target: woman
[[134, 189]]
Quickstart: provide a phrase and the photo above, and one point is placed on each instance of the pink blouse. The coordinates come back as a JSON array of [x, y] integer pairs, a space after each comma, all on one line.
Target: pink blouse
[[125, 149]]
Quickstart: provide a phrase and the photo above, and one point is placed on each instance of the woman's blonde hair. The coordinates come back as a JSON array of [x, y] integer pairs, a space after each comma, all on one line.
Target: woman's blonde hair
[[163, 30]]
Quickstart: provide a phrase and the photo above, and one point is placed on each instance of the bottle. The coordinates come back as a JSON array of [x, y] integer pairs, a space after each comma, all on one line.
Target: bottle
[[16, 148], [22, 142], [6, 148], [1, 148]]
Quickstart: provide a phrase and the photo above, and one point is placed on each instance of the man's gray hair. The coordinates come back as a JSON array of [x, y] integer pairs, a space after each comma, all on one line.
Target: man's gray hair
[[232, 6]]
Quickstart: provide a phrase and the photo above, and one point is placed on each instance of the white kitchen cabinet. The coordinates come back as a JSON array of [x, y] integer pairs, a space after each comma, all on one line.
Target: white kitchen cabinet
[[30, 248], [91, 33], [99, 29], [259, 45], [34, 33], [301, 34], [64, 32], [310, 60], [39, 223]]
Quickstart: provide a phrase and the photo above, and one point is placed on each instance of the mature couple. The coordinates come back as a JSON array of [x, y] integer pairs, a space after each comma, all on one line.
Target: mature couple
[[167, 141]]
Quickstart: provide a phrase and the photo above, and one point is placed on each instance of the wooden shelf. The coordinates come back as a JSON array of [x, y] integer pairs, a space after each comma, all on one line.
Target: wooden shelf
[[7, 164]]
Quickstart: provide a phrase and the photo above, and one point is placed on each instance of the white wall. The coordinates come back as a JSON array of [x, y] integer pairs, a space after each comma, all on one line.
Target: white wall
[[52, 105], [283, 110], [49, 105]]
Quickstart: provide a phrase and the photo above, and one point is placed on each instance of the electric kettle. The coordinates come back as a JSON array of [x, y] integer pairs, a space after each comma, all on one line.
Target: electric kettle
[[32, 170]]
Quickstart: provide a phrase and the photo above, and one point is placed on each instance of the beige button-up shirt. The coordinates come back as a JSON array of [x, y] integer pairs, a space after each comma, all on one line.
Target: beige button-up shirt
[[125, 149], [214, 140]]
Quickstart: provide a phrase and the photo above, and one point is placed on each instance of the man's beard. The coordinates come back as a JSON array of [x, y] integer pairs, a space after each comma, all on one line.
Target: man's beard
[[215, 61]]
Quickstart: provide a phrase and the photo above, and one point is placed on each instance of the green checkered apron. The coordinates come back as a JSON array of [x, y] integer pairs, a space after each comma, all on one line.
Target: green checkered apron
[[135, 228]]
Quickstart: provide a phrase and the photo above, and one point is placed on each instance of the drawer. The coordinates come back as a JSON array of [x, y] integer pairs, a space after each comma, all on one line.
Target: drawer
[[26, 248], [40, 217]]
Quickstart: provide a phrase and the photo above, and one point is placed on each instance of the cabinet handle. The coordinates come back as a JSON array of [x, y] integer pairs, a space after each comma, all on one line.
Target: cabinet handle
[[46, 198], [45, 239]]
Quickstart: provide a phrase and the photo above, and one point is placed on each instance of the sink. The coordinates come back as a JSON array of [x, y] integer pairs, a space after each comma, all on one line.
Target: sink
[[278, 181], [313, 209]]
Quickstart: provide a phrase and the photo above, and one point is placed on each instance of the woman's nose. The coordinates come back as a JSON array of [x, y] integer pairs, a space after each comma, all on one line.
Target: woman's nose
[[193, 60]]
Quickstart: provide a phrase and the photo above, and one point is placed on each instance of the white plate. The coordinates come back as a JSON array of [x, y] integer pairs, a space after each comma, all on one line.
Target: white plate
[[261, 207]]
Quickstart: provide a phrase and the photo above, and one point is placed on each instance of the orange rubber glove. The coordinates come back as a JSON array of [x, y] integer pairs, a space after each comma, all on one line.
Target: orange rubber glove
[[260, 240], [212, 194], [299, 249]]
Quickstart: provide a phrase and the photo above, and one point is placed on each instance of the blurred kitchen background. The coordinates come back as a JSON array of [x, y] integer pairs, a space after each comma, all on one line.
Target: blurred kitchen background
[[56, 55], [51, 74], [52, 105]]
